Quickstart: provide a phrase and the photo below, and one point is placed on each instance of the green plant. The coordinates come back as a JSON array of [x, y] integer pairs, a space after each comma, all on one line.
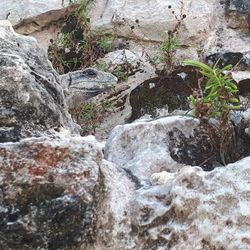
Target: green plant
[[120, 74], [105, 43], [90, 115], [78, 46], [219, 96], [215, 99], [171, 43], [88, 111]]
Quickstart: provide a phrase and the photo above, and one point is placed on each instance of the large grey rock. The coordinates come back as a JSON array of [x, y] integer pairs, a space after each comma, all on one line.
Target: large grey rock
[[49, 192], [152, 20], [38, 18], [146, 147], [178, 207], [195, 210], [18, 10], [32, 100]]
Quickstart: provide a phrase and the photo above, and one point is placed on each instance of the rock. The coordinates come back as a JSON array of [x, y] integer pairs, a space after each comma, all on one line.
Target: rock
[[238, 13], [40, 19], [167, 91], [122, 63], [16, 11], [161, 178], [149, 21], [239, 5], [49, 192], [239, 76], [234, 58], [32, 100], [152, 146], [84, 84], [196, 210]]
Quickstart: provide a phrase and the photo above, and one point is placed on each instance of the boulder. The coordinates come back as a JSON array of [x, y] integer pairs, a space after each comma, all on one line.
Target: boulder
[[40, 19], [148, 20], [195, 210], [151, 146], [47, 11], [31, 97], [49, 192]]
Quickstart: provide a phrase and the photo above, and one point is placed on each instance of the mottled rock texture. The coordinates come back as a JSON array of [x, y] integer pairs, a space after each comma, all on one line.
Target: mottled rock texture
[[146, 147], [38, 18], [151, 21], [49, 192], [31, 98], [197, 210]]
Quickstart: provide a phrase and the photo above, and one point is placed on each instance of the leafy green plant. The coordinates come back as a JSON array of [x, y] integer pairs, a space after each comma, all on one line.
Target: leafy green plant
[[168, 49], [215, 99], [169, 46], [78, 46], [105, 43], [219, 96]]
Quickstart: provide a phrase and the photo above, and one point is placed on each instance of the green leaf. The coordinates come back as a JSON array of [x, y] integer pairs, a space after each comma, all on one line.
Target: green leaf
[[234, 107], [234, 100], [228, 67], [199, 65]]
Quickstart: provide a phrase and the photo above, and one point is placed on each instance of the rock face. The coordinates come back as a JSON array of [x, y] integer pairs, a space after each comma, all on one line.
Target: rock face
[[239, 5], [151, 21], [40, 19], [138, 192], [167, 91], [181, 207], [49, 192], [170, 140], [16, 11], [196, 210], [32, 100]]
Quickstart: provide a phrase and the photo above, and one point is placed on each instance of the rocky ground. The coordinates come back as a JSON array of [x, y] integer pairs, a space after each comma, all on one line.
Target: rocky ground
[[106, 157]]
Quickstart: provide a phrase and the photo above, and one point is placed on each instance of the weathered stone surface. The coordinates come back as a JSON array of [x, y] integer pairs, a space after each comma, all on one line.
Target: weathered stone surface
[[238, 14], [151, 21], [146, 147], [196, 210], [167, 91], [49, 192], [239, 5], [32, 100], [223, 58], [18, 10], [38, 18]]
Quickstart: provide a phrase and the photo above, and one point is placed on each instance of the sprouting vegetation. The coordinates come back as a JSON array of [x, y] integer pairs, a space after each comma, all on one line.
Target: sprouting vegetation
[[215, 99], [219, 95], [172, 42], [78, 46], [90, 115]]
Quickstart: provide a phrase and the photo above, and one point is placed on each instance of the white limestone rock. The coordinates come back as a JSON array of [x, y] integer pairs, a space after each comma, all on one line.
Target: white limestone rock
[[197, 210], [143, 147], [18, 10], [152, 19]]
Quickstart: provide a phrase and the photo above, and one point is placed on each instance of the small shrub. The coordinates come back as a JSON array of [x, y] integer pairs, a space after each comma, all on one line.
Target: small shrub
[[171, 43], [215, 100], [78, 46], [218, 97]]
